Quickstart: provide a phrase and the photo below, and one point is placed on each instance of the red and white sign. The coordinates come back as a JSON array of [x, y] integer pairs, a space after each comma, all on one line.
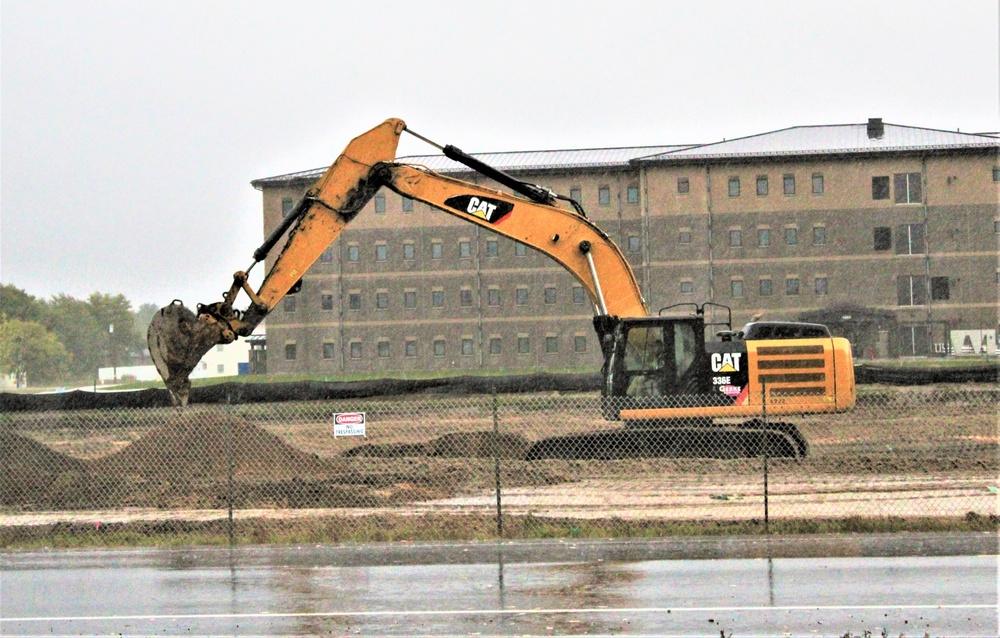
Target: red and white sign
[[348, 424]]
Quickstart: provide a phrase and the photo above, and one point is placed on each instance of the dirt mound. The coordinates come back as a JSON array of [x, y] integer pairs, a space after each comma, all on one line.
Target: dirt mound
[[193, 447], [33, 474]]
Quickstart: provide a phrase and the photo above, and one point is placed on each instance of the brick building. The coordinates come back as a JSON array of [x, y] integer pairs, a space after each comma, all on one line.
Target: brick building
[[888, 233]]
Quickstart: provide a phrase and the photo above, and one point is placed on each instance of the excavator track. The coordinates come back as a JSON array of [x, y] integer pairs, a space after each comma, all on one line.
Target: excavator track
[[752, 439]]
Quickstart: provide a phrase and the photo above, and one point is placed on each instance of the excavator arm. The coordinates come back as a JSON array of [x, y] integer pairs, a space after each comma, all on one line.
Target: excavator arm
[[178, 338]]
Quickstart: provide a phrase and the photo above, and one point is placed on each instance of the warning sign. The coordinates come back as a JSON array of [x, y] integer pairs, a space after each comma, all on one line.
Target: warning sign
[[348, 424]]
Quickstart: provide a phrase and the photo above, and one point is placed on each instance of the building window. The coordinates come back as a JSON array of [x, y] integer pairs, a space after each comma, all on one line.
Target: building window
[[465, 297], [579, 343], [520, 250], [379, 206], [437, 298], [354, 301], [634, 244], [579, 296], [735, 238], [356, 350], [817, 184], [734, 186], [291, 352], [910, 239], [604, 196], [684, 236], [465, 249], [326, 302], [996, 173], [882, 238], [683, 185], [736, 288], [522, 296], [996, 226], [410, 299], [550, 295], [819, 235], [411, 348], [551, 345], [467, 346], [409, 252], [940, 289], [220, 369], [523, 345], [821, 285], [764, 287], [493, 297], [382, 300], [575, 194], [762, 186], [492, 248], [791, 236], [633, 194], [407, 204], [687, 287], [436, 250], [287, 206], [329, 350], [290, 303], [763, 237], [792, 286], [326, 256], [496, 345], [381, 252], [911, 290], [880, 187], [788, 184], [907, 187], [383, 349], [439, 348], [353, 252]]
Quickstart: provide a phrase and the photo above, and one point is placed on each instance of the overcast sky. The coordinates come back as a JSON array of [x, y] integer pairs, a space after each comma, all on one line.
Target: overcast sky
[[131, 130]]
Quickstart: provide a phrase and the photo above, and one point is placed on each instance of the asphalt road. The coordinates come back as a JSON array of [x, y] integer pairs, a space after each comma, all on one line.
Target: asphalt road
[[912, 584]]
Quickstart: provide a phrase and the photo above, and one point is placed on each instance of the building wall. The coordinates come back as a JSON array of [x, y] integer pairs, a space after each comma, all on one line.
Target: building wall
[[694, 246]]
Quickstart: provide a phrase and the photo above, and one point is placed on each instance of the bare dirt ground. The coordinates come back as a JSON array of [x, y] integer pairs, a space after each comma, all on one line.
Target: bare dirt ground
[[938, 458]]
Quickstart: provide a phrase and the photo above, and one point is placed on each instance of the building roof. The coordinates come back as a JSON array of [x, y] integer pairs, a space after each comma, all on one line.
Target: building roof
[[510, 161], [831, 139], [838, 139]]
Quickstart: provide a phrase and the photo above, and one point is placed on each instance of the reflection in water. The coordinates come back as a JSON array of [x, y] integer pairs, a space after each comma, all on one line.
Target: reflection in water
[[500, 588], [770, 581], [582, 585]]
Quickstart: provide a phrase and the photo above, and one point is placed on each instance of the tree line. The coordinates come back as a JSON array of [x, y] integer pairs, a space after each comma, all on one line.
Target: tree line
[[64, 340]]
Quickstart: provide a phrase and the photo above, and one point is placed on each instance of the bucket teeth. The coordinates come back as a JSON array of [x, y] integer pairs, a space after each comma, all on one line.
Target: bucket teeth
[[177, 341]]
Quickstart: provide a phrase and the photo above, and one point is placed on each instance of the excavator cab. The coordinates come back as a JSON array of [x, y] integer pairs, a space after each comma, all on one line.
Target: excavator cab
[[657, 357]]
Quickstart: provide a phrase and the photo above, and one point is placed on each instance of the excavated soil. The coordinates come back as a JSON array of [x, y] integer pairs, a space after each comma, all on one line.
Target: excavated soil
[[188, 462]]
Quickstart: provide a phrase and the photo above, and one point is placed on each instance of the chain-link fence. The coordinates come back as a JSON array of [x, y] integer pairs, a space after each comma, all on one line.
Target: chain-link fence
[[492, 466]]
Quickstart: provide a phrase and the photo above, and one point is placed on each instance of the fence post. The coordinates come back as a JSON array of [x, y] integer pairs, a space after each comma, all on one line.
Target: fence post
[[496, 462], [767, 453], [229, 469]]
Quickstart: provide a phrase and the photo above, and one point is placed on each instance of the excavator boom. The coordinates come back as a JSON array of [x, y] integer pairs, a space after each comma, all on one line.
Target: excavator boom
[[178, 338]]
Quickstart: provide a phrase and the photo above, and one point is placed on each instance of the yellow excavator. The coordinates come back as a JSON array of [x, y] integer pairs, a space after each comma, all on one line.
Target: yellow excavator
[[660, 371]]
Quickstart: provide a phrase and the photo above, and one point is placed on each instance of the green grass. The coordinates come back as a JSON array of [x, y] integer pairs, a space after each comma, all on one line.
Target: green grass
[[441, 527]]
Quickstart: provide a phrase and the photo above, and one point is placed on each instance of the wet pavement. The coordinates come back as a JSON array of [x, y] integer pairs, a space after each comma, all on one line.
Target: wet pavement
[[908, 584]]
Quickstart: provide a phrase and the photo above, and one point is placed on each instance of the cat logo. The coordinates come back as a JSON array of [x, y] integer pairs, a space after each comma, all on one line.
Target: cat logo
[[726, 361], [491, 210]]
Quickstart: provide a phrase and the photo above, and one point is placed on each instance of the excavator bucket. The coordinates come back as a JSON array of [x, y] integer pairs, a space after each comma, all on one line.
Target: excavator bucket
[[177, 341]]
